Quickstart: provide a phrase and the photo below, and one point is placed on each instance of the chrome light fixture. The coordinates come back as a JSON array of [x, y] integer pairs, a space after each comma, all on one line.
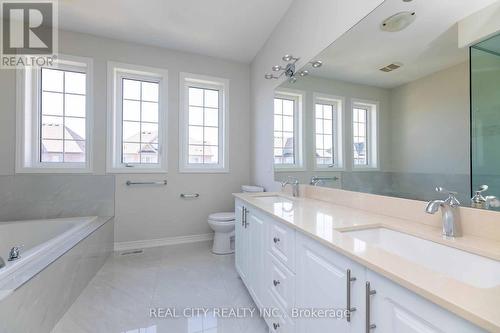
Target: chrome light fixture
[[288, 70], [316, 63]]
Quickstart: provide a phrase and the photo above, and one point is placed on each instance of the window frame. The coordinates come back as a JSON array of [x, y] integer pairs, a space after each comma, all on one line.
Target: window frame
[[372, 148], [299, 99], [338, 138], [116, 73], [28, 118], [187, 80]]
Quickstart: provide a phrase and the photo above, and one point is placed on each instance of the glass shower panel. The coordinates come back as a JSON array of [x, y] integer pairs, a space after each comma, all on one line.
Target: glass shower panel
[[485, 104]]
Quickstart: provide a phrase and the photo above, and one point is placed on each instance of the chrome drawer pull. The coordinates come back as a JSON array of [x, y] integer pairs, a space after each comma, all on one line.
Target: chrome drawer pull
[[369, 292], [276, 282], [349, 308]]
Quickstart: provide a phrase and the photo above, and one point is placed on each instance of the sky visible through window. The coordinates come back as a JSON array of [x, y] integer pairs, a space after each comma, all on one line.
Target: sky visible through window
[[284, 131], [203, 127], [63, 116], [140, 111]]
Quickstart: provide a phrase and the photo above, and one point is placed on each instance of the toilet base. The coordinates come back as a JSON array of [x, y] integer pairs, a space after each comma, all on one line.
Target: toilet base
[[222, 243]]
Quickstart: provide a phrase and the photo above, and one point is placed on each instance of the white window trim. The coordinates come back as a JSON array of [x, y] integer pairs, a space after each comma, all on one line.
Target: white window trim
[[372, 134], [208, 82], [117, 71], [28, 119], [339, 139], [299, 97]]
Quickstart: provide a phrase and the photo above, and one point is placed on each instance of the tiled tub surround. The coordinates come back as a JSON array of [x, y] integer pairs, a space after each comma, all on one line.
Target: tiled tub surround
[[36, 291], [24, 197], [351, 210]]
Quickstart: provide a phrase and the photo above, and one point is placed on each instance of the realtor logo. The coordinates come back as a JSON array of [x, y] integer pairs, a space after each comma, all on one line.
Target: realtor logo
[[29, 32]]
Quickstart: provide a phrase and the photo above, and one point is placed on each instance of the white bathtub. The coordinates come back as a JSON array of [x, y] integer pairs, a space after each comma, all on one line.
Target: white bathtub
[[43, 242]]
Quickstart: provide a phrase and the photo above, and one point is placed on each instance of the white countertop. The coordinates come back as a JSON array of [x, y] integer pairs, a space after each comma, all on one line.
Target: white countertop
[[480, 306]]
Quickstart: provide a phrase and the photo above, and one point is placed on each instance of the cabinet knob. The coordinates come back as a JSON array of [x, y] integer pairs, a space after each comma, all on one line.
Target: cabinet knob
[[276, 282], [276, 240], [276, 326]]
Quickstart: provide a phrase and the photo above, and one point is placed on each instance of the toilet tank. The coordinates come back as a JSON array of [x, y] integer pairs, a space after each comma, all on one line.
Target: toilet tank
[[251, 189]]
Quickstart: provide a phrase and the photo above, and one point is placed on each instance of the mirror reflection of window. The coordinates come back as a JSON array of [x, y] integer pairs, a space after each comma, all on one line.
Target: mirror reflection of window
[[325, 133], [360, 135], [284, 131]]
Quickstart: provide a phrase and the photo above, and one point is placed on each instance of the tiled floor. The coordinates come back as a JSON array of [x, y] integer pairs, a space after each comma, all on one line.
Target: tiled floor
[[120, 296]]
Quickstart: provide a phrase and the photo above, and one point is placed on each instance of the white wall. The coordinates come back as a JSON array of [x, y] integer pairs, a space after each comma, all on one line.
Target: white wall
[[306, 29], [479, 26], [153, 212], [438, 103]]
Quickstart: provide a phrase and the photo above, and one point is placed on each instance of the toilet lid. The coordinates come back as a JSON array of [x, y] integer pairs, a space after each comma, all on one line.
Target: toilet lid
[[229, 216]]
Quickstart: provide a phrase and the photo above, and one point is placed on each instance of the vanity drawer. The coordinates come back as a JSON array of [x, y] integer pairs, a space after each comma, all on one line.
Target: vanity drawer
[[282, 240], [281, 325], [278, 321], [281, 283]]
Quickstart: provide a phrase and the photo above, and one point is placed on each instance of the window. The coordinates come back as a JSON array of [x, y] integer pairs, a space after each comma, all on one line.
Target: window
[[287, 131], [54, 121], [137, 119], [203, 125], [364, 134], [328, 132]]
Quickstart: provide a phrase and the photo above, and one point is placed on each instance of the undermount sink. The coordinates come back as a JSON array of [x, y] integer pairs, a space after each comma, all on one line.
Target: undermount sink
[[472, 269], [272, 199]]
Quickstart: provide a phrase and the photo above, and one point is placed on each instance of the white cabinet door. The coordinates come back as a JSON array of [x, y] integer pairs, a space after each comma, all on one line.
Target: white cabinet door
[[321, 283], [241, 242], [395, 309], [255, 229]]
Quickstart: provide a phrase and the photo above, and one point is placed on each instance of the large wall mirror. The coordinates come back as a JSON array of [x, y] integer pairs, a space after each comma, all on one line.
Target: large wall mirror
[[386, 109]]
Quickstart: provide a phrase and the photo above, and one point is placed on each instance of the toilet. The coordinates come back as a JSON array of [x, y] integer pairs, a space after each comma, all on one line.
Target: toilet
[[223, 225]]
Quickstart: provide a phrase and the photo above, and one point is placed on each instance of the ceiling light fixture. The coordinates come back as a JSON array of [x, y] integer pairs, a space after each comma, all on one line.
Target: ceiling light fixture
[[270, 76], [277, 68], [303, 73], [398, 22], [289, 57], [316, 63]]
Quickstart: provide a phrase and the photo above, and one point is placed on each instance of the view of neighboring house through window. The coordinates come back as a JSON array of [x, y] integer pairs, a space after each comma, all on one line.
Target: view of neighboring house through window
[[325, 134], [360, 135], [203, 130], [284, 131], [62, 116], [140, 116]]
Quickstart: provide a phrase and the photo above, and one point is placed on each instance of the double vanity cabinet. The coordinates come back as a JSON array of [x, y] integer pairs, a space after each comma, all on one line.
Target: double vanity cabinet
[[302, 285]]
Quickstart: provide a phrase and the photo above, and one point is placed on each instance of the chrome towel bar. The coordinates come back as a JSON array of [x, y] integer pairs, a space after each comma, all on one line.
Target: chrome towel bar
[[129, 183], [190, 195]]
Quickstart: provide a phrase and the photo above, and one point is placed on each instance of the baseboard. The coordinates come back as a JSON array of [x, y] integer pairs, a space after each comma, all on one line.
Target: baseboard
[[141, 244]]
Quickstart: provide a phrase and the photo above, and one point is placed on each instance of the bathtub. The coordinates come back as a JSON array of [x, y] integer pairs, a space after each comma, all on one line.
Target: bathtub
[[59, 257]]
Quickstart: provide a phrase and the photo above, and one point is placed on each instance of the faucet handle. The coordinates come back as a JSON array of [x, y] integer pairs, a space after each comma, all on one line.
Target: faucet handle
[[481, 188], [452, 196], [440, 189]]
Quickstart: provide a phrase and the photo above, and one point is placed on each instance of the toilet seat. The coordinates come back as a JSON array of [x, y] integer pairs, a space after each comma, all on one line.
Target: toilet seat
[[222, 217]]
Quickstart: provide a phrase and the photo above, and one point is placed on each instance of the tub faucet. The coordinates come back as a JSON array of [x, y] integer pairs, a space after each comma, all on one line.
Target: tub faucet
[[450, 212], [15, 253], [295, 185]]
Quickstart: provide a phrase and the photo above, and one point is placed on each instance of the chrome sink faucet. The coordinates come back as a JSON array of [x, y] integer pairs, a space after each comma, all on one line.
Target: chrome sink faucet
[[294, 182], [450, 212]]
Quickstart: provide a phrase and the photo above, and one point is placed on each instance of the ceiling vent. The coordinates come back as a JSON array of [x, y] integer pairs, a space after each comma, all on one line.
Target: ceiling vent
[[391, 67]]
